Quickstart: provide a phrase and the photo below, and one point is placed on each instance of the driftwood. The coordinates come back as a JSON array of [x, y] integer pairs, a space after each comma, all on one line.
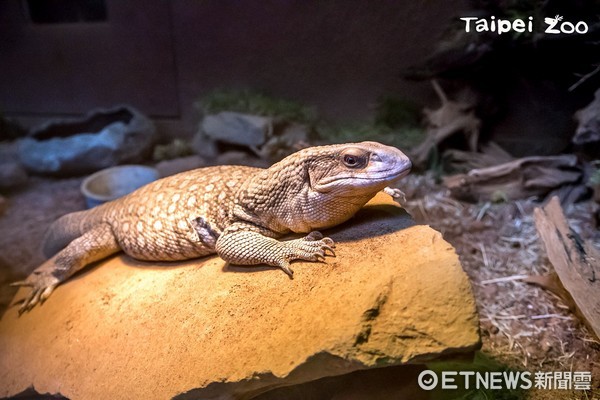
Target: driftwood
[[451, 118], [491, 154], [517, 179], [576, 262], [588, 118]]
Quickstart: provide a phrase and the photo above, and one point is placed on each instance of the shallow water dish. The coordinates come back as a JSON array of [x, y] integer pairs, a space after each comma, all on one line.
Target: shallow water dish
[[112, 183]]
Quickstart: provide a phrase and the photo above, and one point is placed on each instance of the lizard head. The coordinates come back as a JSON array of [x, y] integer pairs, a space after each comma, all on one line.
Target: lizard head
[[356, 168], [319, 187]]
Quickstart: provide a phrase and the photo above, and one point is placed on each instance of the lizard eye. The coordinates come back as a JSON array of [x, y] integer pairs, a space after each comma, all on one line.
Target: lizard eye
[[350, 161], [352, 158]]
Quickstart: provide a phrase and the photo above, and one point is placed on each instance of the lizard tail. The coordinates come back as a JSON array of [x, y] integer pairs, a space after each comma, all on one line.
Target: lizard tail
[[66, 229]]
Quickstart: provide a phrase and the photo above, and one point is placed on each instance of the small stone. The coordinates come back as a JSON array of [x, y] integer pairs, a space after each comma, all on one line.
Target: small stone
[[204, 146], [287, 139], [177, 165], [241, 158], [12, 174]]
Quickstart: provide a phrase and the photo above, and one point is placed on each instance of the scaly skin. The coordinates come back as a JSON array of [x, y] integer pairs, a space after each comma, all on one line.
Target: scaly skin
[[236, 212]]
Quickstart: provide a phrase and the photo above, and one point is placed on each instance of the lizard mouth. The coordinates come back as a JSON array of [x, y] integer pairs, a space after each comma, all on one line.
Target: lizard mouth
[[373, 179], [390, 174]]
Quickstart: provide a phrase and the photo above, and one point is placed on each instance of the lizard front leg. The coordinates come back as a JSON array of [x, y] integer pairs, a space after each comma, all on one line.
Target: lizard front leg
[[94, 245], [246, 244]]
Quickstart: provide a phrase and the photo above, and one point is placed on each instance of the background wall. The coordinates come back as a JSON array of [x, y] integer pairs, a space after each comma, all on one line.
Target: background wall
[[161, 56]]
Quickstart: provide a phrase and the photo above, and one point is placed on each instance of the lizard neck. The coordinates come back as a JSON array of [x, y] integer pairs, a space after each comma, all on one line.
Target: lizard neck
[[281, 199]]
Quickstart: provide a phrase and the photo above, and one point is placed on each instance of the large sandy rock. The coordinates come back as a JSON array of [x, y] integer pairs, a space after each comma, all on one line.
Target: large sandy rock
[[394, 294]]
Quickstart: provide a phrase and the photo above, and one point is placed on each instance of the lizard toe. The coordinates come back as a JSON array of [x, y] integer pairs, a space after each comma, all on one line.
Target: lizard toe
[[313, 236], [22, 283], [30, 301], [326, 246], [285, 267], [42, 285], [328, 241], [397, 195]]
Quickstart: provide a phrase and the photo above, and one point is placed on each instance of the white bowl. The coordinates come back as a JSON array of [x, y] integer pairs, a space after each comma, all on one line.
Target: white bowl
[[112, 183]]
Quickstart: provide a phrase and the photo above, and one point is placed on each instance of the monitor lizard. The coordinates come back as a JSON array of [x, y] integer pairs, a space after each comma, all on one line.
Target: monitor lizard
[[237, 212]]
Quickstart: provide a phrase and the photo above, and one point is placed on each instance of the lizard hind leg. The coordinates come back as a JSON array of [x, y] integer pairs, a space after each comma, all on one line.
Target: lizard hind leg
[[68, 228], [93, 245]]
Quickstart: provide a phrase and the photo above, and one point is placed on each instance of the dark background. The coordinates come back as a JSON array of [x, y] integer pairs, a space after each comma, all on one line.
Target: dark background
[[161, 56]]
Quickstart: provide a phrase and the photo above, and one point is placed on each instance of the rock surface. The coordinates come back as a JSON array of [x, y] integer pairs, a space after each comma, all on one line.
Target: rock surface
[[236, 128], [12, 175], [177, 165], [394, 294], [269, 138], [102, 139]]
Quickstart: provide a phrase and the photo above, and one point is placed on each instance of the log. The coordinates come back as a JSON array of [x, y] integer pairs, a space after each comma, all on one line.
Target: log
[[576, 262], [451, 118], [517, 179], [491, 154]]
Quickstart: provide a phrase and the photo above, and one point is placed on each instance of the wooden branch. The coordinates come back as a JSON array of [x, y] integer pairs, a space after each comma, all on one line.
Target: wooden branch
[[451, 118], [584, 78], [491, 154], [439, 91], [517, 179], [576, 262]]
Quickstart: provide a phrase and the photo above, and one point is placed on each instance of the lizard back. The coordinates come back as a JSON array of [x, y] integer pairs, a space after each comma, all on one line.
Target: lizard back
[[155, 222]]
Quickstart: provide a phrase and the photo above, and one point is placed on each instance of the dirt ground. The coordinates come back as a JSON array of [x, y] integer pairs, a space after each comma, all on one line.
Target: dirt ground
[[522, 325]]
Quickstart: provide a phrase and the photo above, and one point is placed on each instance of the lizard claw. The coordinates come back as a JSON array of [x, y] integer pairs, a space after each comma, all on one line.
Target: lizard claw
[[313, 247], [285, 267], [329, 248], [23, 283], [397, 195], [42, 285]]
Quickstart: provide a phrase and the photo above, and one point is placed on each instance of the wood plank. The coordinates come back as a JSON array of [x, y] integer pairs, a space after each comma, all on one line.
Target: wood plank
[[516, 179], [576, 261]]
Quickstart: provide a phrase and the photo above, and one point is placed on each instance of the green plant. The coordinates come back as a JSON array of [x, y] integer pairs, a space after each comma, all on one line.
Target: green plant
[[594, 179], [403, 138], [481, 364], [177, 148], [394, 112], [258, 103]]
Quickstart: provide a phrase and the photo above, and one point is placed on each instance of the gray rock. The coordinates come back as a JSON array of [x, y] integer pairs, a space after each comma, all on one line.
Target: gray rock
[[101, 139], [287, 139], [269, 138], [236, 128], [177, 165], [240, 158], [588, 130], [12, 175], [204, 146]]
